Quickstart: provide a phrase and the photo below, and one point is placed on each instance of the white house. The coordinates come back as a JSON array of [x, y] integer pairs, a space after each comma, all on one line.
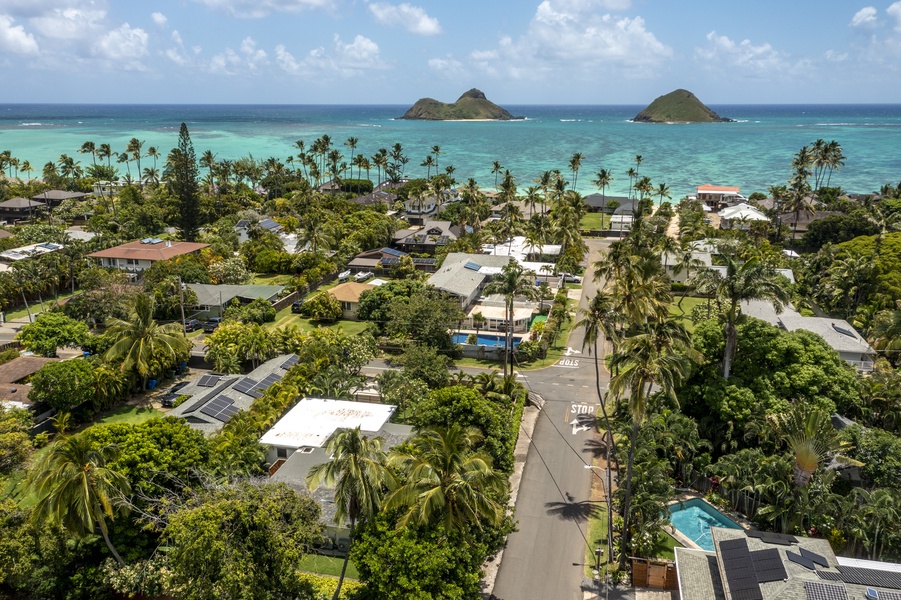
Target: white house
[[137, 257]]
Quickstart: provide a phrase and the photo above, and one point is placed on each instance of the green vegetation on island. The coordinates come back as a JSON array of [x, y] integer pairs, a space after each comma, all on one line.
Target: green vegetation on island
[[473, 105], [680, 106]]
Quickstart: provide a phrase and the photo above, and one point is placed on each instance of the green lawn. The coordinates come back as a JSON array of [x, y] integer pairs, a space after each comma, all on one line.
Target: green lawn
[[666, 546], [285, 318], [35, 307], [130, 414], [327, 565], [688, 303], [270, 279], [594, 221]]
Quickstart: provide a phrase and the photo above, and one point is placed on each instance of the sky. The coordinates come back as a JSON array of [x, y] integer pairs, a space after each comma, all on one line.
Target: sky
[[388, 52]]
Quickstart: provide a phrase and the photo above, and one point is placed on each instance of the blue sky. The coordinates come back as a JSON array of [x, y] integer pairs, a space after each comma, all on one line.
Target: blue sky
[[388, 52]]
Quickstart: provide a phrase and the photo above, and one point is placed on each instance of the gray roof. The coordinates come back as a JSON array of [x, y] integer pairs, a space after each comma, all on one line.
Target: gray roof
[[838, 333], [453, 276], [214, 295], [201, 396], [60, 195], [20, 203], [431, 231], [602, 200]]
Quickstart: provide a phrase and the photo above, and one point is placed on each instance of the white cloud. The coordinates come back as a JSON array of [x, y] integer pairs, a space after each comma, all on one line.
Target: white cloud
[[257, 9], [746, 59], [865, 17], [894, 11], [249, 58], [70, 23], [14, 39], [345, 59], [159, 18], [833, 56], [124, 46], [575, 37], [412, 18]]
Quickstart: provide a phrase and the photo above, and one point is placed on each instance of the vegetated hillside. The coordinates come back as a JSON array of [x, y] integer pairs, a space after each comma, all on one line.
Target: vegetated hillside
[[680, 106], [471, 105]]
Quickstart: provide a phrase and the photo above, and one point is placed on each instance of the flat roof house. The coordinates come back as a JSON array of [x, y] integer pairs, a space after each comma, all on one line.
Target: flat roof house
[[136, 257], [719, 196]]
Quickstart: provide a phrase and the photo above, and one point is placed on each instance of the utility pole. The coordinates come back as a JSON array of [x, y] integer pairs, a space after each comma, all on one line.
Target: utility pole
[[181, 305]]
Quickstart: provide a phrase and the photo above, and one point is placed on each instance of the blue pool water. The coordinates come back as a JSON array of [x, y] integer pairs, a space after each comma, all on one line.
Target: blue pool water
[[484, 339], [694, 518]]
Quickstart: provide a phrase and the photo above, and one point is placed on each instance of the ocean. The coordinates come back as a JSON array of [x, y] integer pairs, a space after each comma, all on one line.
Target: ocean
[[754, 152]]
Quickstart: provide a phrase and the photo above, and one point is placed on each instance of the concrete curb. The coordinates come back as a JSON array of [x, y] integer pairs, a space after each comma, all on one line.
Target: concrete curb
[[527, 425]]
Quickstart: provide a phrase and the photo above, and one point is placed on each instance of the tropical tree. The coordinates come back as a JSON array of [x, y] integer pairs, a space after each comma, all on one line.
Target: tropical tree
[[514, 281], [183, 185], [602, 180], [140, 343], [811, 437], [575, 164], [77, 490], [751, 280], [447, 482], [358, 474]]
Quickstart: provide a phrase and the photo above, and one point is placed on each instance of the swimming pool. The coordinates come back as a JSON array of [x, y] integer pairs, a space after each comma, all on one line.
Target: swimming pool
[[694, 518], [485, 339]]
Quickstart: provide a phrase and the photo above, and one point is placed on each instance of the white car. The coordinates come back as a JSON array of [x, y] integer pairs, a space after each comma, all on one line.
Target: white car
[[570, 278]]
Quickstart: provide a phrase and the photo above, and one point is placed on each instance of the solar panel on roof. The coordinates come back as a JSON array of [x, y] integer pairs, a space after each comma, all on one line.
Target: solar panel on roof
[[393, 252], [245, 385], [871, 577], [425, 261], [884, 595], [472, 266], [829, 575], [801, 560], [768, 565], [817, 590], [208, 381], [740, 576], [221, 408], [195, 406], [290, 362], [390, 261], [818, 559], [844, 331]]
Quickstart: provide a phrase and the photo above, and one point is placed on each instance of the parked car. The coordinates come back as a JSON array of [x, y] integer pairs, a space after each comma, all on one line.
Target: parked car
[[211, 324], [295, 306], [570, 278], [169, 398], [193, 325]]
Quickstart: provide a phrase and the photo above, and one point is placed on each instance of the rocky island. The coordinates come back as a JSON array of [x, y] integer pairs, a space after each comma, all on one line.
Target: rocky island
[[680, 106], [471, 106]]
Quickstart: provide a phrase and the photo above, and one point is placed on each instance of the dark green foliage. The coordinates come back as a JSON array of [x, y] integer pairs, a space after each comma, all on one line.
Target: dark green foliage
[[466, 407], [15, 444], [880, 453], [835, 229], [887, 288], [8, 355], [356, 186], [168, 300], [771, 369], [416, 564], [375, 304], [184, 187], [243, 541], [155, 454], [52, 330], [258, 311], [424, 363], [190, 268], [322, 307], [63, 385]]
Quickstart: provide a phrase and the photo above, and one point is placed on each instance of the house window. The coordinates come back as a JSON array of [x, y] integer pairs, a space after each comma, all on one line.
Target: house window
[[346, 306], [131, 262], [281, 452]]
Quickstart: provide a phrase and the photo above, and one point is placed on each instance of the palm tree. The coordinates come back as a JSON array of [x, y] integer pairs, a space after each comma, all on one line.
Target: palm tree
[[603, 179], [514, 281], [135, 148], [632, 173], [751, 280], [575, 163], [643, 361], [358, 475], [811, 437], [77, 490], [496, 168], [140, 343], [447, 481], [208, 161], [89, 148], [436, 152]]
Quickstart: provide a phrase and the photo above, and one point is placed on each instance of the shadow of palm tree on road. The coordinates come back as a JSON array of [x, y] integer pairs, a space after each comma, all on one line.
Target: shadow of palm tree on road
[[596, 448], [570, 510]]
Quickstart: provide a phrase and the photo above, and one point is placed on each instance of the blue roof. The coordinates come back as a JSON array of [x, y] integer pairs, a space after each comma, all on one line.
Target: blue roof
[[472, 266]]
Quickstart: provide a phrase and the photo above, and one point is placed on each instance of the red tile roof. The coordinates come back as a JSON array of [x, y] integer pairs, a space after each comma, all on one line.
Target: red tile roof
[[140, 251], [718, 188]]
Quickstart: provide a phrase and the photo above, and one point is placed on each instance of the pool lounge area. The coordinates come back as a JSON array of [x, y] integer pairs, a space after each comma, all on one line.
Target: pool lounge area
[[694, 517], [485, 339]]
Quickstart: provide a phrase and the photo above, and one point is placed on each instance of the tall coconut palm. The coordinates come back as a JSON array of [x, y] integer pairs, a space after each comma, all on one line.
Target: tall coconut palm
[[602, 180], [575, 163], [135, 149], [358, 474], [140, 343], [751, 280], [447, 481], [77, 490], [496, 169], [643, 361], [515, 281]]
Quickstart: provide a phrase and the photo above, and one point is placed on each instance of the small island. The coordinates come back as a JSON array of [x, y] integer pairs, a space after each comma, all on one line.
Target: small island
[[680, 106], [471, 106]]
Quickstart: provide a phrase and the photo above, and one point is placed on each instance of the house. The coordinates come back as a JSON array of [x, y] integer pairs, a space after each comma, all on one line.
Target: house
[[136, 257], [211, 299], [244, 226], [740, 216], [600, 202], [671, 260], [837, 333], [382, 261], [522, 251], [348, 294], [426, 238], [53, 198], [24, 252], [297, 444], [16, 209], [216, 398], [759, 565], [719, 196], [14, 390], [466, 275]]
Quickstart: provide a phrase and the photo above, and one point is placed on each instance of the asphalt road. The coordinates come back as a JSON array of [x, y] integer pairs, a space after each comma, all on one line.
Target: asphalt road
[[545, 557]]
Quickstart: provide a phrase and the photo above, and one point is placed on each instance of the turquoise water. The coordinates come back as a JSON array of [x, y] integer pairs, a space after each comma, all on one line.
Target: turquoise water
[[754, 152], [484, 339], [694, 518]]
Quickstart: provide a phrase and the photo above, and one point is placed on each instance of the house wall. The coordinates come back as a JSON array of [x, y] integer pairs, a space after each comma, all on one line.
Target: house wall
[[123, 264]]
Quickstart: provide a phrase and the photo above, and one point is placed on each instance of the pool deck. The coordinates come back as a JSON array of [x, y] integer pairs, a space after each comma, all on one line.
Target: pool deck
[[684, 497]]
